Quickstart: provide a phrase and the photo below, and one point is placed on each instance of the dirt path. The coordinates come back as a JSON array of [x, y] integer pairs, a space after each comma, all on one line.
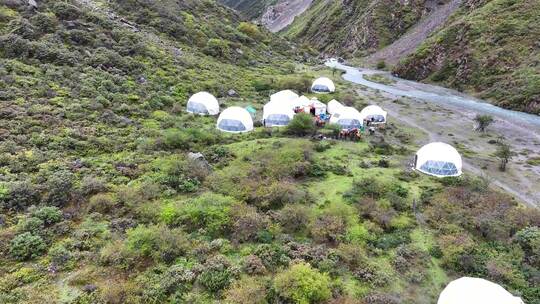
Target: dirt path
[[408, 43]]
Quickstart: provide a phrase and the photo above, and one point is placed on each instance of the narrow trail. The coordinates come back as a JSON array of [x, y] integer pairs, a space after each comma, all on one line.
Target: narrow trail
[[409, 42]]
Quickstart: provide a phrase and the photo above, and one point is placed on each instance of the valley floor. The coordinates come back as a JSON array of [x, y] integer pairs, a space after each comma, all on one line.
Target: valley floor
[[455, 125]]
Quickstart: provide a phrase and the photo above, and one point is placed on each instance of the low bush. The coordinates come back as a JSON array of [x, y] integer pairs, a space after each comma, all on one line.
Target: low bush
[[27, 246], [157, 242], [247, 291], [303, 285], [49, 215], [18, 196], [302, 124], [210, 212], [217, 273]]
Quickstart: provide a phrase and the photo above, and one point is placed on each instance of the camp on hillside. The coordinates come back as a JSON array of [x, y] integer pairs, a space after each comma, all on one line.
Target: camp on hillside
[[323, 85], [374, 115], [438, 159], [476, 291], [203, 103], [235, 120], [276, 114], [285, 96], [347, 118]]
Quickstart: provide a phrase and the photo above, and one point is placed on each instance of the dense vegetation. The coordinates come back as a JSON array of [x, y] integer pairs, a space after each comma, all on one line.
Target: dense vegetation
[[100, 202], [489, 47]]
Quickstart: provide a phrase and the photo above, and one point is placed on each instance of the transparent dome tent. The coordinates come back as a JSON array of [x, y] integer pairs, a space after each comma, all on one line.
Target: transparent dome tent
[[276, 114], [203, 103], [374, 113], [438, 159], [476, 291], [347, 118], [235, 120], [323, 85]]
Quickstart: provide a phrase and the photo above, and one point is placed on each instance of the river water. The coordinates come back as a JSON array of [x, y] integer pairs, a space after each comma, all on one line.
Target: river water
[[435, 94]]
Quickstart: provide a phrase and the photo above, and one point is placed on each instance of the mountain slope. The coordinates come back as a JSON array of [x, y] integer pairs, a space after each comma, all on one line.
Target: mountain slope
[[359, 27], [409, 42], [489, 47], [102, 202], [275, 15]]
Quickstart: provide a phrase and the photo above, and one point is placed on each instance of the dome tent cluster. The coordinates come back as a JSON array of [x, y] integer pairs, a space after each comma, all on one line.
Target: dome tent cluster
[[435, 159]]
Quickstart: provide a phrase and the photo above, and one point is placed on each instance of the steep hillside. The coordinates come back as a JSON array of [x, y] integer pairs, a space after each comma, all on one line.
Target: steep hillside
[[491, 48], [275, 15], [359, 27], [102, 202], [252, 9]]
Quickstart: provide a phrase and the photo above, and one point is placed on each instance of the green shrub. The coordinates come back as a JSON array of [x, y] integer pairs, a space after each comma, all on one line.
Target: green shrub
[[102, 203], [301, 84], [211, 212], [250, 29], [217, 48], [59, 254], [59, 188], [26, 246], [328, 229], [529, 240], [18, 196], [217, 273], [164, 285], [302, 124], [272, 255], [157, 242], [247, 290], [366, 187], [303, 285], [31, 224], [49, 215]]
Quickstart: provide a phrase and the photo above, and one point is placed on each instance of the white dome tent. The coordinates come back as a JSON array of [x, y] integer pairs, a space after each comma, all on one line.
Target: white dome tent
[[203, 103], [334, 106], [374, 113], [438, 159], [235, 120], [323, 85], [301, 102], [318, 106], [476, 291], [347, 118], [276, 114], [285, 96]]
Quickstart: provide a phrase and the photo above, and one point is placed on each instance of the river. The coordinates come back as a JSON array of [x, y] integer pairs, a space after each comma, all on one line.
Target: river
[[435, 94]]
